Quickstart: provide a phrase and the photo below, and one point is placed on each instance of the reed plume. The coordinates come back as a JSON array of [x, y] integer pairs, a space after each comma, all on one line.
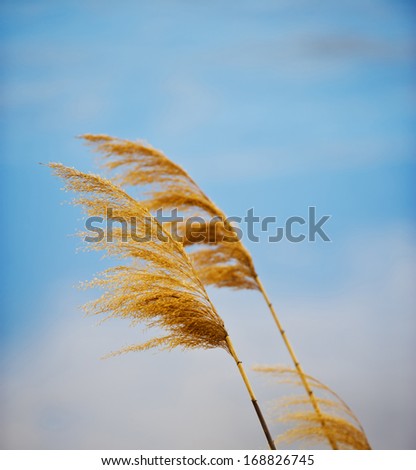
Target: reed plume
[[336, 423], [225, 262], [170, 186], [157, 284]]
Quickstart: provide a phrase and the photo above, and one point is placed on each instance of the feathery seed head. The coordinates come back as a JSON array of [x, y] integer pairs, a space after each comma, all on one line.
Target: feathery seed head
[[171, 187], [159, 286], [336, 420]]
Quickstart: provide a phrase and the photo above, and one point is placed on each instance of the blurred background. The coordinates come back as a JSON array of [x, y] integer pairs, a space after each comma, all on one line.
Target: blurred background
[[271, 105]]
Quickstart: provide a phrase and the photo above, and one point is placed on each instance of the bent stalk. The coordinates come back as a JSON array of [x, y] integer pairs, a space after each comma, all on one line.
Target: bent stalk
[[251, 393], [298, 367]]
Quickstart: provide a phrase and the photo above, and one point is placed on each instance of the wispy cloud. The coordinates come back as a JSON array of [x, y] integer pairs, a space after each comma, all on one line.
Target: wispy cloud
[[56, 393]]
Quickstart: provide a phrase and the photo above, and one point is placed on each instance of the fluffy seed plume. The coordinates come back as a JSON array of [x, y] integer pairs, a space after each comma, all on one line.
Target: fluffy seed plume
[[220, 259], [159, 287], [336, 419], [157, 284]]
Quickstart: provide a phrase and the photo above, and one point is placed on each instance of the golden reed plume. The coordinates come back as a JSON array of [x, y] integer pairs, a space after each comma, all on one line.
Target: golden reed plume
[[336, 421], [225, 262], [159, 287]]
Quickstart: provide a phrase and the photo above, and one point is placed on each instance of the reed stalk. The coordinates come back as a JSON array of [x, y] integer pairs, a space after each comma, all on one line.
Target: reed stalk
[[251, 393], [297, 365], [341, 424]]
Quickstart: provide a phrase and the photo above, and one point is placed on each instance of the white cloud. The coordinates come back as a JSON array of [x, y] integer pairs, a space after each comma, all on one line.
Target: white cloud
[[56, 392], [298, 159]]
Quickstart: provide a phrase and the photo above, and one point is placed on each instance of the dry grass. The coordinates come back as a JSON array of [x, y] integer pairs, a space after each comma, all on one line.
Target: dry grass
[[336, 420], [160, 287], [226, 262], [157, 284], [220, 259]]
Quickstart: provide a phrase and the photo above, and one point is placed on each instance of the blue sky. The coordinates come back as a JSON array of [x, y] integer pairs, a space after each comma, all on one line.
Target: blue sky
[[275, 106]]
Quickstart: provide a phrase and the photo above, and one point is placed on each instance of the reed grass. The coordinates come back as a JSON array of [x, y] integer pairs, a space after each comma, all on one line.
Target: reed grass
[[164, 287], [225, 263], [156, 284], [221, 263], [337, 423]]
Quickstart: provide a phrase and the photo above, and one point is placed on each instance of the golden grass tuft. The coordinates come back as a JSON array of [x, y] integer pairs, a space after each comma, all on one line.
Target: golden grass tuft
[[160, 287], [169, 186], [220, 259], [335, 422]]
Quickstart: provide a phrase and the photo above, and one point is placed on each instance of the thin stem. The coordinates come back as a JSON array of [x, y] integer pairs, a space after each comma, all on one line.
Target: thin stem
[[298, 367], [251, 393]]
